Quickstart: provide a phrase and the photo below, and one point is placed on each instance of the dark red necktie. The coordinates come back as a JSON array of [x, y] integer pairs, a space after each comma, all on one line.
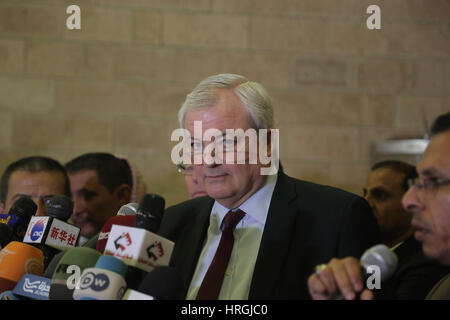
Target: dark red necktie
[[212, 282]]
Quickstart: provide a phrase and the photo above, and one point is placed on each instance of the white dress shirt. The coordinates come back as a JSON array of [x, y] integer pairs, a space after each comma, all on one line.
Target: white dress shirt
[[247, 238]]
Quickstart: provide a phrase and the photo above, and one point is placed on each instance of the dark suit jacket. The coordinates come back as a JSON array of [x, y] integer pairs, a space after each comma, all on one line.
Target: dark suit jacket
[[415, 275], [307, 224], [441, 291]]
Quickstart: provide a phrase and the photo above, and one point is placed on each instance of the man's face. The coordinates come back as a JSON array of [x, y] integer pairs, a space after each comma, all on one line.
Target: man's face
[[384, 191], [431, 207], [229, 184], [93, 202], [40, 186], [194, 187]]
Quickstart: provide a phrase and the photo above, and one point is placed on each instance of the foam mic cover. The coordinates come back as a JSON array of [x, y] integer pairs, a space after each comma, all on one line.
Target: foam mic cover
[[104, 233], [16, 259], [50, 270], [103, 282], [381, 256], [19, 216], [60, 207], [150, 211], [23, 208], [163, 283], [8, 295], [63, 282], [6, 233], [128, 209], [33, 287]]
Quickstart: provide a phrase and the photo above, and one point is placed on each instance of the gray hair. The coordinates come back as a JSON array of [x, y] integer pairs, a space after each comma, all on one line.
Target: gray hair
[[253, 96]]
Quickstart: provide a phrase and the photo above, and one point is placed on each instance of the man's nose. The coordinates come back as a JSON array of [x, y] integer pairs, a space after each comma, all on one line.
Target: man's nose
[[411, 201], [79, 205], [41, 208]]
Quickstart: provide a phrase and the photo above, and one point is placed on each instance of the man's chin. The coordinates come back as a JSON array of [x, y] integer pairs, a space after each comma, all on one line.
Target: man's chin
[[88, 230]]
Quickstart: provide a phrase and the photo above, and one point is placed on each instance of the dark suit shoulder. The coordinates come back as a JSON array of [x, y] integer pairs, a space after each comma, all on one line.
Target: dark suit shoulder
[[317, 190], [182, 214], [326, 200], [415, 275]]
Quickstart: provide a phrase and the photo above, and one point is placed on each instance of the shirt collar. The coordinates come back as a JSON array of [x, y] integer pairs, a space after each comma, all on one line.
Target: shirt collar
[[257, 206]]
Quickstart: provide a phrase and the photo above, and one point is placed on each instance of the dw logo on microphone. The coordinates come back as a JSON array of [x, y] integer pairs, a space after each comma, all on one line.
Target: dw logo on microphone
[[97, 282]]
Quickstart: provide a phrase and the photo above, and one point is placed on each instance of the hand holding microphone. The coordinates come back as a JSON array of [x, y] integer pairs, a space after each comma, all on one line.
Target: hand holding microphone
[[344, 278]]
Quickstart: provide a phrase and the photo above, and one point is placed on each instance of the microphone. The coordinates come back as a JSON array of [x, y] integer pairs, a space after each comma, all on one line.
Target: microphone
[[379, 256], [65, 280], [103, 282], [122, 220], [51, 233], [6, 233], [8, 295], [50, 270], [163, 283], [33, 287], [16, 259], [140, 246], [19, 216], [128, 209], [149, 213], [125, 217]]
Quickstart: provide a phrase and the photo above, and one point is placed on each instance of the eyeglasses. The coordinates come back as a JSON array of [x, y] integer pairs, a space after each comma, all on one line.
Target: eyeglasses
[[186, 170], [431, 184]]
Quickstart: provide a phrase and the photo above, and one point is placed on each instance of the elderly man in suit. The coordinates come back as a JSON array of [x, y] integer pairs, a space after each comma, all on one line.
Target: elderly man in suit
[[256, 235]]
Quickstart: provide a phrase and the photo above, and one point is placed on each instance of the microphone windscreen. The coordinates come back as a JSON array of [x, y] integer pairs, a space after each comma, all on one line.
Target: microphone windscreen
[[149, 214], [112, 264], [60, 207], [104, 233], [6, 233], [128, 209], [105, 281], [8, 295], [153, 204], [24, 208], [163, 283], [48, 273], [79, 256], [16, 259], [381, 256]]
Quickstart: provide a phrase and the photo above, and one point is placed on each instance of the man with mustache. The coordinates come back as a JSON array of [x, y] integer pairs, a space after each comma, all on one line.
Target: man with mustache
[[38, 177], [100, 184], [428, 199]]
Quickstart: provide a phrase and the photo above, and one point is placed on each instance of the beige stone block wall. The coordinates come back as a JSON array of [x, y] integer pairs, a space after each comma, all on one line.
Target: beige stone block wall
[[116, 85]]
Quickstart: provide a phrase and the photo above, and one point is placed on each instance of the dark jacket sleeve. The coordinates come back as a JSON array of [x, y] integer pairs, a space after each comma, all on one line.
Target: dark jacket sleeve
[[359, 223]]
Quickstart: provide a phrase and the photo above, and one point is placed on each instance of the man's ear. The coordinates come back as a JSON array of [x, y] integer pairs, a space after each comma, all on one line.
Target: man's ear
[[123, 193], [2, 207]]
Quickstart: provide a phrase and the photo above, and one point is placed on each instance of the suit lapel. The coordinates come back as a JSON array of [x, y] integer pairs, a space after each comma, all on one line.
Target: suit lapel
[[192, 243], [275, 240]]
